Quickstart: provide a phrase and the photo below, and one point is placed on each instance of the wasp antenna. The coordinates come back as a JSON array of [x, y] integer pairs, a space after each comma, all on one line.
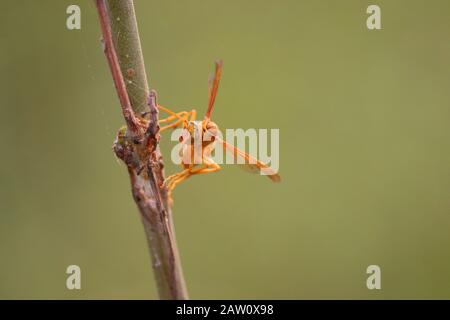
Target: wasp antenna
[[213, 87], [210, 84]]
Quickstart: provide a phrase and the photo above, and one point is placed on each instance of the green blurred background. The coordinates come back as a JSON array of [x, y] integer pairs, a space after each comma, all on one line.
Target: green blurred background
[[364, 129]]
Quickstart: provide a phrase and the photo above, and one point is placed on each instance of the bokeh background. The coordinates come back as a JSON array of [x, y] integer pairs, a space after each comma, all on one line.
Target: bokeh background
[[364, 141]]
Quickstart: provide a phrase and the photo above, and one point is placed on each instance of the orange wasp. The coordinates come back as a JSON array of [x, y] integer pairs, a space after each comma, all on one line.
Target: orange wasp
[[208, 135]]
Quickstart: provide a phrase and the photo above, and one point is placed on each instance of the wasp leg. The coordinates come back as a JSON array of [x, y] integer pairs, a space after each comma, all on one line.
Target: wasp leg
[[210, 166], [168, 111], [213, 167], [170, 178], [168, 182], [176, 123], [180, 116], [177, 178], [173, 117]]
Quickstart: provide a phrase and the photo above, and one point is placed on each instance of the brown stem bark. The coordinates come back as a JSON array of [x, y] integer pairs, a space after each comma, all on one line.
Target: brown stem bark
[[138, 144]]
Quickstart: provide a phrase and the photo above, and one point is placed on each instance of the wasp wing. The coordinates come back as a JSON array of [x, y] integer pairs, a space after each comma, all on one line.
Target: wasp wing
[[251, 164]]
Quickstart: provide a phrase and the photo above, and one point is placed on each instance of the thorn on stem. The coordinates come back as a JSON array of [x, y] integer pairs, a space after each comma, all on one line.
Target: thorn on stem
[[153, 126]]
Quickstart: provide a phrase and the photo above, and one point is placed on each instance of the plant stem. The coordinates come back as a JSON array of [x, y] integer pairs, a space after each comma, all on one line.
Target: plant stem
[[128, 47], [138, 147]]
